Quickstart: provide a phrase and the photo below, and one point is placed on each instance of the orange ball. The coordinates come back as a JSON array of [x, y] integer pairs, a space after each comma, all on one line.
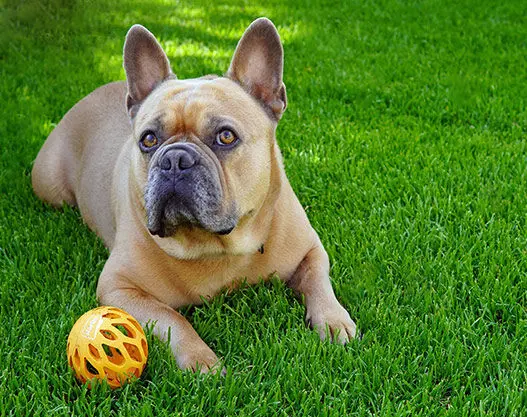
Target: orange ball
[[107, 343]]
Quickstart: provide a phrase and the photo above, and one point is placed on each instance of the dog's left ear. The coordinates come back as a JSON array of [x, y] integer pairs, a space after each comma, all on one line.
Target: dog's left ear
[[257, 65], [146, 66]]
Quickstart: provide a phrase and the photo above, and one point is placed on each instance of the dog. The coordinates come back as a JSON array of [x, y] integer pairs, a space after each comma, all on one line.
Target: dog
[[184, 182]]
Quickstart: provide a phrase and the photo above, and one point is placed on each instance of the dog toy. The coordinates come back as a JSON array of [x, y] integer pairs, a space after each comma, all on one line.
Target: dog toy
[[107, 343]]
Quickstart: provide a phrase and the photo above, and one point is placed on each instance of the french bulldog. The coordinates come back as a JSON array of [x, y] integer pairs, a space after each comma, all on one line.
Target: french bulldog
[[184, 182]]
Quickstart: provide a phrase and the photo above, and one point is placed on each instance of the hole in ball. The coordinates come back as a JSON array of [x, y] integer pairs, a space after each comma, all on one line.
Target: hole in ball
[[90, 369], [113, 354], [133, 351], [125, 329]]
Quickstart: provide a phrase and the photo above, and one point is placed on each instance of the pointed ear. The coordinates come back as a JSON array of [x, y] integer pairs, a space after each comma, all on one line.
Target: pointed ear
[[257, 65], [146, 66]]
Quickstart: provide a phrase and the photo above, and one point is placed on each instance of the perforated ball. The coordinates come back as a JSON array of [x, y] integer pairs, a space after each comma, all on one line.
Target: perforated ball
[[107, 343]]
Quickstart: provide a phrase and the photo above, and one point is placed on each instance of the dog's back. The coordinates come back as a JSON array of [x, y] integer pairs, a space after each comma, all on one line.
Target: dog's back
[[99, 121]]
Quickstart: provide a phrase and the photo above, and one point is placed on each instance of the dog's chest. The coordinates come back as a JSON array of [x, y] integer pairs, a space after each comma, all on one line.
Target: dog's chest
[[195, 281]]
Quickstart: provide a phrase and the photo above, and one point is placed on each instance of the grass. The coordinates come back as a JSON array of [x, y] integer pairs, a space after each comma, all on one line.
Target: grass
[[405, 141]]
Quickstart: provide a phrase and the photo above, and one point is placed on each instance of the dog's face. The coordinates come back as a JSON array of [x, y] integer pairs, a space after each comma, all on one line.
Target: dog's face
[[202, 156], [202, 151]]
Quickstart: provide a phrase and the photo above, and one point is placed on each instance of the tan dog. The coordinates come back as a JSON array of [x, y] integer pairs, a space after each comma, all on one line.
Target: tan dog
[[184, 182]]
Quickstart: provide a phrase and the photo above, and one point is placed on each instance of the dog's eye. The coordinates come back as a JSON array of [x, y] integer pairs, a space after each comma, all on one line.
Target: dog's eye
[[148, 141], [226, 137]]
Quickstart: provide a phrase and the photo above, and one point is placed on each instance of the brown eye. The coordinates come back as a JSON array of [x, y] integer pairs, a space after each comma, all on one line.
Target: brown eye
[[226, 137], [148, 141]]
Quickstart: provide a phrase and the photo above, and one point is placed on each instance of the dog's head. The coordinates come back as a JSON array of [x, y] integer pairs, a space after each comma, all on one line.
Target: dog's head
[[203, 147]]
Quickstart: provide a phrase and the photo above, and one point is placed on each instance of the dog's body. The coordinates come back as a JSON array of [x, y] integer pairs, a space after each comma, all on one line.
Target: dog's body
[[191, 197], [201, 265]]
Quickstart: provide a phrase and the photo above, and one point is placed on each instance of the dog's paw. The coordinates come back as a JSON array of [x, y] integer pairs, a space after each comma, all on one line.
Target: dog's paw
[[332, 322], [201, 359]]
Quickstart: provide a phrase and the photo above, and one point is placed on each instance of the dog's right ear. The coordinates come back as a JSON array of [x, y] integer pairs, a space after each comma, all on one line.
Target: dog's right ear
[[146, 66]]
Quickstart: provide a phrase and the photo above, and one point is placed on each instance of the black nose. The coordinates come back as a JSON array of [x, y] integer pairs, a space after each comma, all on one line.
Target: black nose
[[177, 160]]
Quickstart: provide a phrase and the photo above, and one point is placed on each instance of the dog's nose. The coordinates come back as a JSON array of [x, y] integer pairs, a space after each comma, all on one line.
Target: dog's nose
[[177, 160]]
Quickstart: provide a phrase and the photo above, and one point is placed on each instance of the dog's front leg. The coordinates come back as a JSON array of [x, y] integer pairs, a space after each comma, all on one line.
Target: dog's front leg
[[190, 351], [323, 311]]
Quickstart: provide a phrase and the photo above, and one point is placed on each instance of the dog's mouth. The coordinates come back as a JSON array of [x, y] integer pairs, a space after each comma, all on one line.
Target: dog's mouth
[[170, 231], [171, 215]]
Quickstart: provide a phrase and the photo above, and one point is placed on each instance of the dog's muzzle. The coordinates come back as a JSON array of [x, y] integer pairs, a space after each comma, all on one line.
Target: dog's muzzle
[[184, 188]]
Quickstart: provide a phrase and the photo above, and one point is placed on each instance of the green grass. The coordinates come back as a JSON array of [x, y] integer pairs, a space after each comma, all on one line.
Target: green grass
[[405, 139]]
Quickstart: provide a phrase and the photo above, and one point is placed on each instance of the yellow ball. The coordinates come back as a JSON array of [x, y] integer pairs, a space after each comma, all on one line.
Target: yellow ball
[[107, 343]]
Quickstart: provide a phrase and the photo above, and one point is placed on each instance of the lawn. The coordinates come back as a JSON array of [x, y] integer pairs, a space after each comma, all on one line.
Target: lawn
[[405, 140]]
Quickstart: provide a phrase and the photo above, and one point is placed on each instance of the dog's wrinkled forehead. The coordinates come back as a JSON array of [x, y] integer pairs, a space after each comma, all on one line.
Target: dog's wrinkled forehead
[[192, 106]]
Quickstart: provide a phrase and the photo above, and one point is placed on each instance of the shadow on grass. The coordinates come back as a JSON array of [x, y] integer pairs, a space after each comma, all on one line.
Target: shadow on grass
[[56, 52]]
